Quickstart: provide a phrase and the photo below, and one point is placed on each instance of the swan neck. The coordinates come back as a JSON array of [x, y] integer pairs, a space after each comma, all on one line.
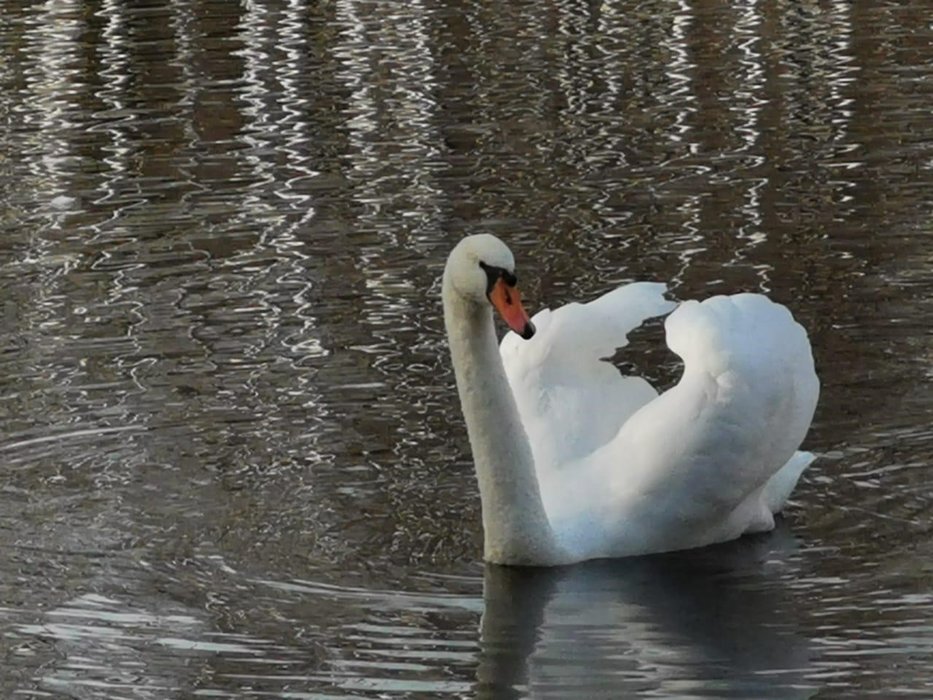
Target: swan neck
[[515, 525]]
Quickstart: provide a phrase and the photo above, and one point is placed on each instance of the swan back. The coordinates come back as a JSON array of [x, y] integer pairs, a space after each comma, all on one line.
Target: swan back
[[625, 471]]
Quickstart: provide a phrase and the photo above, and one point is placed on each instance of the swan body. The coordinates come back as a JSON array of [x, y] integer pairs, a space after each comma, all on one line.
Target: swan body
[[575, 461]]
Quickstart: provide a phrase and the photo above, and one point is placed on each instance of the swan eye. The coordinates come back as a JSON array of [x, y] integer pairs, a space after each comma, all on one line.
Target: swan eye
[[494, 274]]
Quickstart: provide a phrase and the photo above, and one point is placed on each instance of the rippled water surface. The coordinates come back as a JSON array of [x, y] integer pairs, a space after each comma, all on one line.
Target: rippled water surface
[[232, 461]]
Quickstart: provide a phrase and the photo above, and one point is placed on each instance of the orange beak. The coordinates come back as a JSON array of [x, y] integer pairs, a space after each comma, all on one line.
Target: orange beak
[[508, 303]]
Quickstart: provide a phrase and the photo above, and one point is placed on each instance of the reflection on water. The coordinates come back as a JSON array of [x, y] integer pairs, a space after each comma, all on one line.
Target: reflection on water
[[715, 623], [233, 463]]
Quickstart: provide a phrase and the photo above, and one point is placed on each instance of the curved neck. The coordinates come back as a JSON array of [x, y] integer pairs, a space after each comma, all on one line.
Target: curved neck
[[515, 525]]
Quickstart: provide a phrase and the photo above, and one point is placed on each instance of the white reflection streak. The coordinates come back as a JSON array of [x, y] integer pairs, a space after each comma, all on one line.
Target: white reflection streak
[[115, 74], [258, 97], [264, 103], [292, 41], [611, 27], [394, 136], [748, 109], [52, 48], [353, 58], [417, 88], [574, 73], [185, 59], [102, 646], [263, 123], [748, 39], [52, 85], [294, 45], [115, 179], [680, 70], [610, 21], [839, 79], [356, 54]]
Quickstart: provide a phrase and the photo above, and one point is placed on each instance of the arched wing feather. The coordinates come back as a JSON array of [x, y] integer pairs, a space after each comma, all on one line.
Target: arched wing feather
[[722, 440], [570, 402]]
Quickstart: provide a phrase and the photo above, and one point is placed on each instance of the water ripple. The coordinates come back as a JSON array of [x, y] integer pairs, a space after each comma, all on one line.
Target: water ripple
[[235, 465]]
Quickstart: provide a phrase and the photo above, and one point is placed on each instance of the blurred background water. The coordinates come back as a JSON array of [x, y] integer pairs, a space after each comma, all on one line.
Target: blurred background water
[[232, 462]]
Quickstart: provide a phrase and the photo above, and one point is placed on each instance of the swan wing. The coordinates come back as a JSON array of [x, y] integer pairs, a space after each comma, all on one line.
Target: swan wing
[[714, 456], [570, 402]]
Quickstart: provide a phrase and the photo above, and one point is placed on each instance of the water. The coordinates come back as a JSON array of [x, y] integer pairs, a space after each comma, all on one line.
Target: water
[[233, 464]]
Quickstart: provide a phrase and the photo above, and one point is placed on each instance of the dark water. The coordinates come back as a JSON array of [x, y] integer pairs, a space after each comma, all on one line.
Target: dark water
[[232, 461]]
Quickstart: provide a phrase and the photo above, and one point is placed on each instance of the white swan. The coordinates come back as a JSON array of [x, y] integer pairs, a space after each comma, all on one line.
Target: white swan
[[575, 461]]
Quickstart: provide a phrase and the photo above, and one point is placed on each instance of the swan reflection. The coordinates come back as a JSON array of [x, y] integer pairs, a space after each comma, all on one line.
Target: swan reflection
[[716, 622]]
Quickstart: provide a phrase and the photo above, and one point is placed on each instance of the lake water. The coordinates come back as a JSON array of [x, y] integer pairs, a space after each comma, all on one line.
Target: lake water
[[232, 461]]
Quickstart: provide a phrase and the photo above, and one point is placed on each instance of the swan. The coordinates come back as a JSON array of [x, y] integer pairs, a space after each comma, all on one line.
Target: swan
[[575, 461]]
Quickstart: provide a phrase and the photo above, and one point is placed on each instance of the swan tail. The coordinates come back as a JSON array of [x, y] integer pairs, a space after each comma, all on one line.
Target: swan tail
[[757, 513], [779, 487]]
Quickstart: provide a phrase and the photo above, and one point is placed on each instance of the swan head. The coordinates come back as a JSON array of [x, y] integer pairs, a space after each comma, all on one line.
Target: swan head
[[481, 269]]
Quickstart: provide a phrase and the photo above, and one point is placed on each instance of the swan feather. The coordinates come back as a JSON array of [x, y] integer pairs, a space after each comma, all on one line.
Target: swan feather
[[625, 471], [575, 461]]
